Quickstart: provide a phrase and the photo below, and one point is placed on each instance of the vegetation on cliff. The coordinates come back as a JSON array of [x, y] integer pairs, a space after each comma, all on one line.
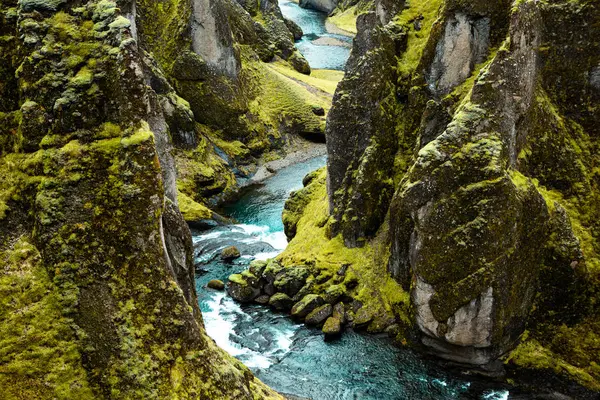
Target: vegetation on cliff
[[462, 149]]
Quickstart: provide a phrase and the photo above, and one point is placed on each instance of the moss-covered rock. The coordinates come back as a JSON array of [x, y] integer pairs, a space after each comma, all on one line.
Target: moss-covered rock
[[307, 305], [98, 296], [281, 301], [319, 315]]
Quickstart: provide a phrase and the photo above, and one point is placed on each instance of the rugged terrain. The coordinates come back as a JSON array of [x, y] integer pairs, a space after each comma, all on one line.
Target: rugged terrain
[[113, 117], [459, 209]]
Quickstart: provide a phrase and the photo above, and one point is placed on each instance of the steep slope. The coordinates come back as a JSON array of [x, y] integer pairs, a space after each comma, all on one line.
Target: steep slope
[[463, 157], [97, 271]]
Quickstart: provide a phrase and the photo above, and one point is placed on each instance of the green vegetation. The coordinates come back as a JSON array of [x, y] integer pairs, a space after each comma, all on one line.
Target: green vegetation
[[382, 297], [345, 20]]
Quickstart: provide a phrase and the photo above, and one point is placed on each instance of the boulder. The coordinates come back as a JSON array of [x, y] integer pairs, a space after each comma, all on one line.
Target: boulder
[[362, 318], [318, 110], [339, 312], [216, 284], [332, 328], [241, 290], [305, 306], [230, 253], [319, 315], [262, 299], [281, 301], [291, 281], [299, 63]]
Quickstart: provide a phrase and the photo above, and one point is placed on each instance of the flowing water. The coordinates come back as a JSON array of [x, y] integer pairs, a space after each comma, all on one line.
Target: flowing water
[[290, 357], [312, 23]]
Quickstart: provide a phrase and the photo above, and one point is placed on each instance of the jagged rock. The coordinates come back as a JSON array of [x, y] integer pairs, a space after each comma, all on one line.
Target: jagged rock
[[281, 301], [339, 312], [362, 318], [319, 315], [216, 284], [333, 293], [305, 306], [230, 253], [325, 6], [299, 63], [294, 28]]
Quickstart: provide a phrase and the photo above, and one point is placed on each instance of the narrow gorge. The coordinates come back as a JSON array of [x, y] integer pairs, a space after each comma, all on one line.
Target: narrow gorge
[[358, 199]]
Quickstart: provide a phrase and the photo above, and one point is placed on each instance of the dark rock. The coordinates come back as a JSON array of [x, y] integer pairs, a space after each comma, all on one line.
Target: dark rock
[[230, 253], [294, 28], [318, 110], [216, 284], [281, 301], [319, 315], [339, 312], [262, 299], [291, 281], [241, 290], [362, 318], [299, 63]]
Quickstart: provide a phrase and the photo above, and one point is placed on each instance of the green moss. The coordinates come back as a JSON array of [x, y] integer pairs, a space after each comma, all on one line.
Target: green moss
[[191, 210], [417, 40], [367, 271], [530, 354], [345, 20], [39, 353]]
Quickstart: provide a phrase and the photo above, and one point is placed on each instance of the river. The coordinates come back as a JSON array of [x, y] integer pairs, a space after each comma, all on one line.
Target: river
[[289, 357]]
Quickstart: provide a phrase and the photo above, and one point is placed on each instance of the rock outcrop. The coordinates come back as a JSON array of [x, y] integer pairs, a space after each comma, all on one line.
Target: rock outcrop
[[97, 285], [462, 148]]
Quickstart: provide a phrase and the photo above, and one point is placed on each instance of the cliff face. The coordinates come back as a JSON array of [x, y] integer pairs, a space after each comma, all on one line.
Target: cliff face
[[97, 289], [464, 137]]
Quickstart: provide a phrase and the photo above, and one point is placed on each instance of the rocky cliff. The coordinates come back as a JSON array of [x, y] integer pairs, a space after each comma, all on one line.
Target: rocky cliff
[[97, 282], [463, 162]]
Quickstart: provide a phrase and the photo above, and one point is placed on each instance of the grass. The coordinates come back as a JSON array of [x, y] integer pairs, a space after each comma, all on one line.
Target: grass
[[345, 20]]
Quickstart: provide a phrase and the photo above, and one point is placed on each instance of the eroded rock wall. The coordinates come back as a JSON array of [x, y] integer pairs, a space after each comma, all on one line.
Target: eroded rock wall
[[97, 283], [473, 141]]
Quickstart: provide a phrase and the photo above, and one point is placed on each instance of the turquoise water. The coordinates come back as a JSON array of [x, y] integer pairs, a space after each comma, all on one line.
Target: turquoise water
[[313, 25], [290, 357]]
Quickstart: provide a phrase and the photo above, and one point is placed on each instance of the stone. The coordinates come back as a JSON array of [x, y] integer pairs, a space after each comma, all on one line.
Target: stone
[[291, 280], [319, 315], [216, 284], [318, 110], [339, 312], [262, 299], [362, 318], [332, 328], [241, 290], [299, 63], [333, 293], [294, 28], [305, 306], [230, 253], [281, 301]]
